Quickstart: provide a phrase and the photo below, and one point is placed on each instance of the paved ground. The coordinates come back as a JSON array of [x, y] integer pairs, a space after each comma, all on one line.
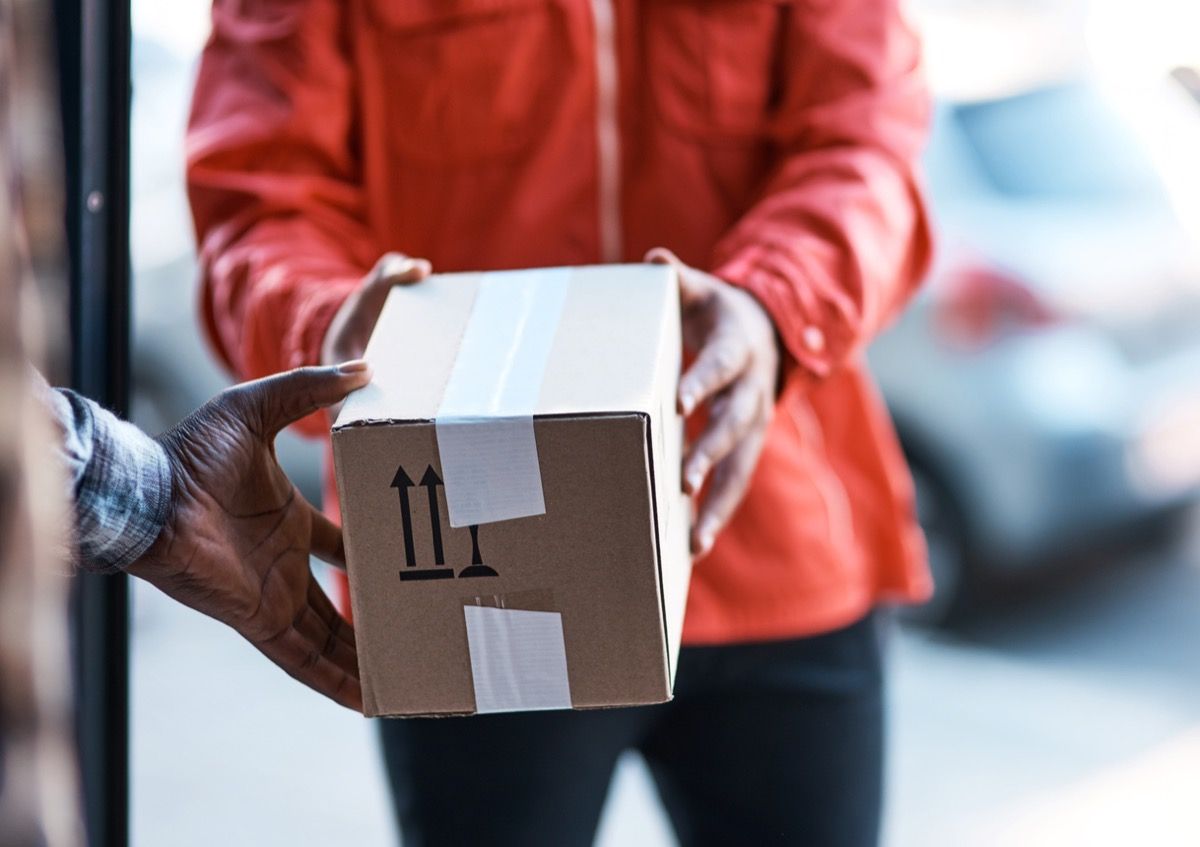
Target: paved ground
[[1067, 715]]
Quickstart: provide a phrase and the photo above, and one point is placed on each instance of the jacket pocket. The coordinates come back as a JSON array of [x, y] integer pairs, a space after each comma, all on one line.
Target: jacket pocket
[[714, 66], [468, 80], [830, 489]]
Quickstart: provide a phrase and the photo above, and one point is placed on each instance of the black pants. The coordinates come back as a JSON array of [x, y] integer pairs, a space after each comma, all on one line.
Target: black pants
[[774, 743]]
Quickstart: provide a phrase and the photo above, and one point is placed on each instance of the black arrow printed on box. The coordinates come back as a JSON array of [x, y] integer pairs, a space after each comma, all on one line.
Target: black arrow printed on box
[[402, 482], [431, 481]]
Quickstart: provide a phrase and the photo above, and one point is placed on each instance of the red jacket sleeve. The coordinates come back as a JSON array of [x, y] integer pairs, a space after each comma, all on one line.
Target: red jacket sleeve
[[274, 183], [839, 238]]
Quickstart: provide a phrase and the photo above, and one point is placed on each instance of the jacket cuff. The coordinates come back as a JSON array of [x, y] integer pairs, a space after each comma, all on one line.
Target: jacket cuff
[[811, 337], [313, 318], [122, 484], [303, 344]]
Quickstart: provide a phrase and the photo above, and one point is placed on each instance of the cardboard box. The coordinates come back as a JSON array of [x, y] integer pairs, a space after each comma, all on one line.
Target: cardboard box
[[515, 530]]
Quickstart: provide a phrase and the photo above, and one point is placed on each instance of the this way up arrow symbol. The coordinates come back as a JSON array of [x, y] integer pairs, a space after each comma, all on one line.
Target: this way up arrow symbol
[[402, 482], [431, 481]]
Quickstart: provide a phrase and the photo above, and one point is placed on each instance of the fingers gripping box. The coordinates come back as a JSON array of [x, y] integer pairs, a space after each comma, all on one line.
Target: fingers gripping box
[[515, 532]]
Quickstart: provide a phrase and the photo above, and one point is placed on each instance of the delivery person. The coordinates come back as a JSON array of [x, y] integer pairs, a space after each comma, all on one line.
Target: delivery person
[[770, 147]]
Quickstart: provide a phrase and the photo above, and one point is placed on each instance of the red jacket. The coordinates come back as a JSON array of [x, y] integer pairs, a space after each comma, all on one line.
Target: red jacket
[[771, 142]]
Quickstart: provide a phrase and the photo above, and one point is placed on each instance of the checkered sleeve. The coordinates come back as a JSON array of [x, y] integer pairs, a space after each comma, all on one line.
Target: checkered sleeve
[[121, 482]]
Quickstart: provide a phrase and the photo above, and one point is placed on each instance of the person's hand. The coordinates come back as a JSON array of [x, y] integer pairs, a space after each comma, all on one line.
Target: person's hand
[[736, 372], [348, 333], [236, 543]]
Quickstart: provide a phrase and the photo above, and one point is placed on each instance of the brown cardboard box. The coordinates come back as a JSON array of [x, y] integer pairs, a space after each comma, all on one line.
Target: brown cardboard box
[[510, 491]]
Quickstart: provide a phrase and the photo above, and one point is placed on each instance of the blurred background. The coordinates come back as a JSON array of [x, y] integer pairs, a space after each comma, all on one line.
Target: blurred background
[[1046, 385]]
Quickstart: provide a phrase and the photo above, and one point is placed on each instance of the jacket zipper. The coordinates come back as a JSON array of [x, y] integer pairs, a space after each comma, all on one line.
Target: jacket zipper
[[608, 136]]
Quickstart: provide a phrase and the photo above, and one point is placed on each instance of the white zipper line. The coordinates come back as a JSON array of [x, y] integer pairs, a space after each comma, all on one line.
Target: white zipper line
[[608, 135]]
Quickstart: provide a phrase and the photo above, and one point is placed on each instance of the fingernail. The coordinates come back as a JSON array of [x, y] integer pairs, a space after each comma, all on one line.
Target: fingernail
[[398, 266], [706, 541], [413, 271], [660, 255], [686, 402], [694, 480], [356, 366]]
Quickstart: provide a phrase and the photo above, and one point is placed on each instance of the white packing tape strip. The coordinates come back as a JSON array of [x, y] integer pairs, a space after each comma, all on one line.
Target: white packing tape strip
[[518, 660], [485, 421]]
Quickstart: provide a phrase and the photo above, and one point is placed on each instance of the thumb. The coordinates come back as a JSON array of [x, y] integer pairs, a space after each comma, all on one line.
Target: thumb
[[693, 287], [280, 400]]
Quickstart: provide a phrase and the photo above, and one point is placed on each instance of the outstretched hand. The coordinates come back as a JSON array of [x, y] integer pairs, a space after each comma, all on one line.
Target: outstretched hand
[[735, 373], [236, 544]]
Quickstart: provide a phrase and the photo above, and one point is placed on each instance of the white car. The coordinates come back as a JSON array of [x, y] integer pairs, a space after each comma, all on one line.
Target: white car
[[1046, 382]]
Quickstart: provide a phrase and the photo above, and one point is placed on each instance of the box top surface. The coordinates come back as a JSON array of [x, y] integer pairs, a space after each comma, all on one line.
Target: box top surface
[[551, 341]]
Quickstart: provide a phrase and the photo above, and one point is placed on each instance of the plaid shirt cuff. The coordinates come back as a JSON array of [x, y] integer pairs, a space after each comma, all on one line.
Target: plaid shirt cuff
[[122, 483]]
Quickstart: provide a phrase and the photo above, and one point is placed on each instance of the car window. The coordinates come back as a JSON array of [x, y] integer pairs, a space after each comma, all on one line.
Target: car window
[[1059, 142]]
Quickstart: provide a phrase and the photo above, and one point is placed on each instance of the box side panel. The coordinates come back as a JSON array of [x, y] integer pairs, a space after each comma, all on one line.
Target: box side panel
[[612, 611], [591, 558], [370, 706], [676, 573], [674, 509]]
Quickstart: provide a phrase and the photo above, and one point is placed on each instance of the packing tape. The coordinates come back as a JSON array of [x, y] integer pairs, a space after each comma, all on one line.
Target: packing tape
[[485, 421], [518, 659]]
